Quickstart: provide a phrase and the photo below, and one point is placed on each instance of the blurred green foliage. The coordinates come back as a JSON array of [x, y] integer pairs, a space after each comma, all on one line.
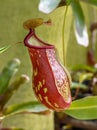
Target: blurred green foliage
[[12, 15], [7, 89]]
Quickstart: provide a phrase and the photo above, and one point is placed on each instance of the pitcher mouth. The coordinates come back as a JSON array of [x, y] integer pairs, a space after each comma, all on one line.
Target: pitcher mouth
[[32, 41]]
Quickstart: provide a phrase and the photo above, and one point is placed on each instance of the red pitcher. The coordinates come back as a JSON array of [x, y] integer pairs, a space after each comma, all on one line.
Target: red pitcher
[[51, 81]]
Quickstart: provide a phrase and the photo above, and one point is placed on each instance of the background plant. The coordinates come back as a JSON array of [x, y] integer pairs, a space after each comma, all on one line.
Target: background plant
[[93, 2], [82, 38], [7, 89]]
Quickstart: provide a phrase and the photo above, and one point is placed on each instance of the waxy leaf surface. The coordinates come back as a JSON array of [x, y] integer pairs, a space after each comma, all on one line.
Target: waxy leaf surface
[[48, 6], [79, 24]]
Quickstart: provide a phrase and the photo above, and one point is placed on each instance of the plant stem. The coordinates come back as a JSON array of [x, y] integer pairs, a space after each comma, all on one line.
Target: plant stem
[[64, 45]]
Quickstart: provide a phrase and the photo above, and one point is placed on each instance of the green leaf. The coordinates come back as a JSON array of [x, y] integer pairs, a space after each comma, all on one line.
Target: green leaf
[[75, 85], [83, 109], [2, 49], [93, 2], [48, 6], [80, 27], [7, 73], [85, 76], [84, 67], [4, 98], [68, 2], [28, 107]]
